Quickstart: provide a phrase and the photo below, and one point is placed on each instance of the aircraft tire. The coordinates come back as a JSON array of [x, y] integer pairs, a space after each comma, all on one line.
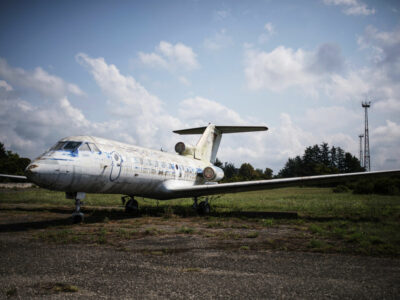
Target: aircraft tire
[[77, 218], [132, 207], [203, 208]]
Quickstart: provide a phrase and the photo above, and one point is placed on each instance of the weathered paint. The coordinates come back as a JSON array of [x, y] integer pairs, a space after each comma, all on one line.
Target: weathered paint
[[118, 168]]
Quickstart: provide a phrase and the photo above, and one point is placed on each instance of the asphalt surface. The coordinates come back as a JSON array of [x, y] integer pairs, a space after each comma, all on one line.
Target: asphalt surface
[[192, 268]]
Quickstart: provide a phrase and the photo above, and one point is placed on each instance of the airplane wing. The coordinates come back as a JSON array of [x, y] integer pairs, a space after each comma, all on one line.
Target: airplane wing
[[245, 186], [14, 176]]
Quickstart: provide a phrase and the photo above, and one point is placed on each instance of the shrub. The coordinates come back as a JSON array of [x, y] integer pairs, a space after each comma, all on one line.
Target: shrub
[[386, 186], [364, 187], [341, 189]]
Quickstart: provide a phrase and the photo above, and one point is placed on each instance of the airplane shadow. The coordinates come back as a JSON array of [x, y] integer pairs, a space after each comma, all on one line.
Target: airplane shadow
[[91, 217], [97, 215]]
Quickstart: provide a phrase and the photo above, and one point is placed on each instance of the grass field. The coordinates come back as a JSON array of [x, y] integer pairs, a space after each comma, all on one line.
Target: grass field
[[326, 222]]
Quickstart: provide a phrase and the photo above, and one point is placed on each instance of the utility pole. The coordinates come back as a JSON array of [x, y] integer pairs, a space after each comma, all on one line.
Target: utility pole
[[367, 162], [361, 150]]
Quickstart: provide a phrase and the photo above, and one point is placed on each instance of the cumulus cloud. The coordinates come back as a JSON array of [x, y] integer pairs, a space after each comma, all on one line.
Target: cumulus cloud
[[352, 7], [381, 80], [6, 86], [39, 80], [171, 57], [385, 47], [385, 142], [142, 113], [219, 41], [284, 68], [269, 31], [200, 111]]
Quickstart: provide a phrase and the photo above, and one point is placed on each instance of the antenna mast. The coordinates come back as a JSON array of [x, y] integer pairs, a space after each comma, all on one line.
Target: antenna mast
[[367, 162], [361, 150]]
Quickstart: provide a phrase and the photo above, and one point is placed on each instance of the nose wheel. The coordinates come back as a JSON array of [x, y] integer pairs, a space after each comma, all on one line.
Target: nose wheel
[[77, 215]]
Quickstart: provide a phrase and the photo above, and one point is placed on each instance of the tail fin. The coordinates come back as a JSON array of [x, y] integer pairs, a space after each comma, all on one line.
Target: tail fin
[[208, 144]]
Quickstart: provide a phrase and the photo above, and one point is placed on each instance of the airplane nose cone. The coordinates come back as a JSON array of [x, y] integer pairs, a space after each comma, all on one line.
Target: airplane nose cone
[[40, 174], [31, 171]]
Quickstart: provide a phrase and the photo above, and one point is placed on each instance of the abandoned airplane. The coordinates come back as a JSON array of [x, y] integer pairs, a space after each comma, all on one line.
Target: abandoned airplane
[[86, 164]]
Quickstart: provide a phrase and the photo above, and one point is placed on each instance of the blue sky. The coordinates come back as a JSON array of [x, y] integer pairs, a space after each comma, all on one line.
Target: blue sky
[[135, 70]]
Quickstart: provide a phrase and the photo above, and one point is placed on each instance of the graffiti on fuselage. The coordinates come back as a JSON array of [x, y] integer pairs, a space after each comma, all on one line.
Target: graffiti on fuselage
[[116, 166]]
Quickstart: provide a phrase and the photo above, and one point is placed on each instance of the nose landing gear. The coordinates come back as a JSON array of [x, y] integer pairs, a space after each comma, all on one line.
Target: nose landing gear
[[77, 215]]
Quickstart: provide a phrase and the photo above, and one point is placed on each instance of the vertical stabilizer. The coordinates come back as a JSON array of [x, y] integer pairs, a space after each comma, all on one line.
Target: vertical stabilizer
[[208, 144], [207, 147]]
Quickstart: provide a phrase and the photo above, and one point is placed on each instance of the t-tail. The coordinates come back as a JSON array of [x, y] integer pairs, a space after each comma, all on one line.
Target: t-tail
[[208, 144]]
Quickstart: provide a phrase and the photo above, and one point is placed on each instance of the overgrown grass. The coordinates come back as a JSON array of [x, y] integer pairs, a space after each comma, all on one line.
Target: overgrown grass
[[344, 222]]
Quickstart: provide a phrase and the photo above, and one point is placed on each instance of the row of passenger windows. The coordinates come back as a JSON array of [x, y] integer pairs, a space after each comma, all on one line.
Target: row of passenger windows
[[163, 165], [72, 146]]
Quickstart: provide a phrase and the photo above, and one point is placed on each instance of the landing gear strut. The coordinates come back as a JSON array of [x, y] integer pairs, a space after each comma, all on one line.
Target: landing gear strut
[[132, 206], [203, 208], [77, 215]]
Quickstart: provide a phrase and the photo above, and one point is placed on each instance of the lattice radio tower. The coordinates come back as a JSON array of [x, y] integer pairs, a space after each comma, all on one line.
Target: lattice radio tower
[[361, 150], [367, 162]]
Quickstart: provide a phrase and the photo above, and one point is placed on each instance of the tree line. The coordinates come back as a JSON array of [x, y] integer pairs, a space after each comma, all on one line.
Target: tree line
[[11, 163], [316, 160]]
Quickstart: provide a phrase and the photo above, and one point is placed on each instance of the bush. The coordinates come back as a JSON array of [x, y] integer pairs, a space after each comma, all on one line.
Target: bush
[[382, 186], [386, 186], [364, 187], [341, 189]]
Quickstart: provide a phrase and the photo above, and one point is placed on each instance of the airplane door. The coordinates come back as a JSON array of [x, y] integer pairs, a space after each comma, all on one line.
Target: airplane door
[[116, 166], [177, 171]]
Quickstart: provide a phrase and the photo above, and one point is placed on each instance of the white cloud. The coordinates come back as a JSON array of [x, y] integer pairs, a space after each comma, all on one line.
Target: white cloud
[[219, 41], [6, 86], [171, 57], [352, 7], [284, 68], [39, 80], [201, 111], [221, 14], [385, 47], [142, 113], [269, 31], [153, 60], [278, 70], [184, 80], [385, 143]]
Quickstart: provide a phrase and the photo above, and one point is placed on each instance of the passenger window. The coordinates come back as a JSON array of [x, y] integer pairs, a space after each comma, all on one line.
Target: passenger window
[[84, 147], [72, 146]]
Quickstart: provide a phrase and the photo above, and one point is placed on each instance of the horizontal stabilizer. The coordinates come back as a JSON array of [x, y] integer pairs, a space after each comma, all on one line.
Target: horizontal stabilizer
[[222, 129]]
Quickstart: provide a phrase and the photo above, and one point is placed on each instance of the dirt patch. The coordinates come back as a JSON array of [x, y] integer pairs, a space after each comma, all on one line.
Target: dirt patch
[[43, 255]]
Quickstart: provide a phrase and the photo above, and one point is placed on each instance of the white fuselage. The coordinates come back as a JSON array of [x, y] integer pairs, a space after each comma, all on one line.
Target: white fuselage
[[117, 168]]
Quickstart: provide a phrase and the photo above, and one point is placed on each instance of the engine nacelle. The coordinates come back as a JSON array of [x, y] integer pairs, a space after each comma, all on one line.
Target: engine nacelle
[[213, 173], [183, 149]]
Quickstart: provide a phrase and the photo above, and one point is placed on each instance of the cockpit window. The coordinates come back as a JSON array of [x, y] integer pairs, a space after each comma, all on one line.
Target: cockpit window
[[84, 147], [58, 146], [93, 147], [72, 146]]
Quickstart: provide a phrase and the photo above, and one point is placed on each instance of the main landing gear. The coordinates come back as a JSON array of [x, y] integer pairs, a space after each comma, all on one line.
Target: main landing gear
[[203, 208], [131, 206], [77, 215]]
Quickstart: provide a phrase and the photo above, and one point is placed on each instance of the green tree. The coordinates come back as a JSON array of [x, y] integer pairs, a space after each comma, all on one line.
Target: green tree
[[11, 163], [268, 173], [319, 160], [247, 172]]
